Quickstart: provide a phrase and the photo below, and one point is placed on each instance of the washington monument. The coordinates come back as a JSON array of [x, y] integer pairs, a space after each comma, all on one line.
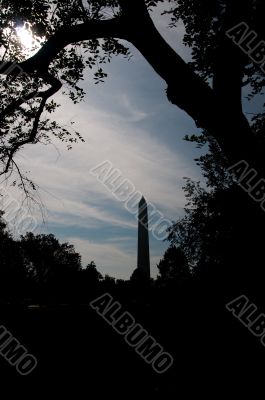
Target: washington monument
[[143, 259]]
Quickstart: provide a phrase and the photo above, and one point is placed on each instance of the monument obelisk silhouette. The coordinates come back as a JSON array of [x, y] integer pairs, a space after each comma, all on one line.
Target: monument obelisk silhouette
[[143, 259]]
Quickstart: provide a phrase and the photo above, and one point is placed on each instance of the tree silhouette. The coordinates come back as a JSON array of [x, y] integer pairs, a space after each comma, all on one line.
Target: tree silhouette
[[80, 34], [174, 267], [221, 227], [91, 273], [52, 266], [109, 283], [12, 267], [88, 281], [220, 231]]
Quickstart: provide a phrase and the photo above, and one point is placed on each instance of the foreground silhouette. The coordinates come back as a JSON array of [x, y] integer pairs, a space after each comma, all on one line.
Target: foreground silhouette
[[77, 351]]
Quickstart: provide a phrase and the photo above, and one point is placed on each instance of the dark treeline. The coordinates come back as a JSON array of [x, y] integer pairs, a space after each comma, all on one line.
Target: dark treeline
[[215, 254], [38, 269], [218, 244], [216, 251]]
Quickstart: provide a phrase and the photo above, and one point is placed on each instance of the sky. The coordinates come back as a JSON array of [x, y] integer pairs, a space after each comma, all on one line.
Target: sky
[[128, 122]]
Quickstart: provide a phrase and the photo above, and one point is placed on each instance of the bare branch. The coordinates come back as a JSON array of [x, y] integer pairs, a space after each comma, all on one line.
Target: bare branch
[[55, 87], [185, 88], [56, 84]]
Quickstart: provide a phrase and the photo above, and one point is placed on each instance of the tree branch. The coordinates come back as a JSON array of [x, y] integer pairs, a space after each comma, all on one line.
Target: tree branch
[[30, 138], [185, 89], [55, 87], [70, 35], [190, 92]]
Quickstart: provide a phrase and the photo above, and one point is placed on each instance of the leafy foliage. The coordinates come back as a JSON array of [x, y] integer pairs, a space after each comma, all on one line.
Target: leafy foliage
[[46, 258], [205, 22], [174, 267], [22, 125]]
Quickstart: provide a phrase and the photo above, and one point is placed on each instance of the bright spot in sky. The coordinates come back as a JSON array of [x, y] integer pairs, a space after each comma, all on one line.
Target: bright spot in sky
[[30, 42], [26, 37]]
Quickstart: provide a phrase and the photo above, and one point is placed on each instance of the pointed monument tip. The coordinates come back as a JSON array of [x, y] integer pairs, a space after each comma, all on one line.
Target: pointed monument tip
[[142, 200]]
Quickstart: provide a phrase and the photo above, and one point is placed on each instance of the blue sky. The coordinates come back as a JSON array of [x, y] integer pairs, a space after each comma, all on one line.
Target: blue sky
[[128, 121]]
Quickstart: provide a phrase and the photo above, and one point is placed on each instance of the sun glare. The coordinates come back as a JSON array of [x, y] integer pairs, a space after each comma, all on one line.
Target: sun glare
[[25, 37], [30, 42]]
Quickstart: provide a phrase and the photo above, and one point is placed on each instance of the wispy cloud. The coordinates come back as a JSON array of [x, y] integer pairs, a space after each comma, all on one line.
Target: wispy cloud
[[110, 259], [128, 121]]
